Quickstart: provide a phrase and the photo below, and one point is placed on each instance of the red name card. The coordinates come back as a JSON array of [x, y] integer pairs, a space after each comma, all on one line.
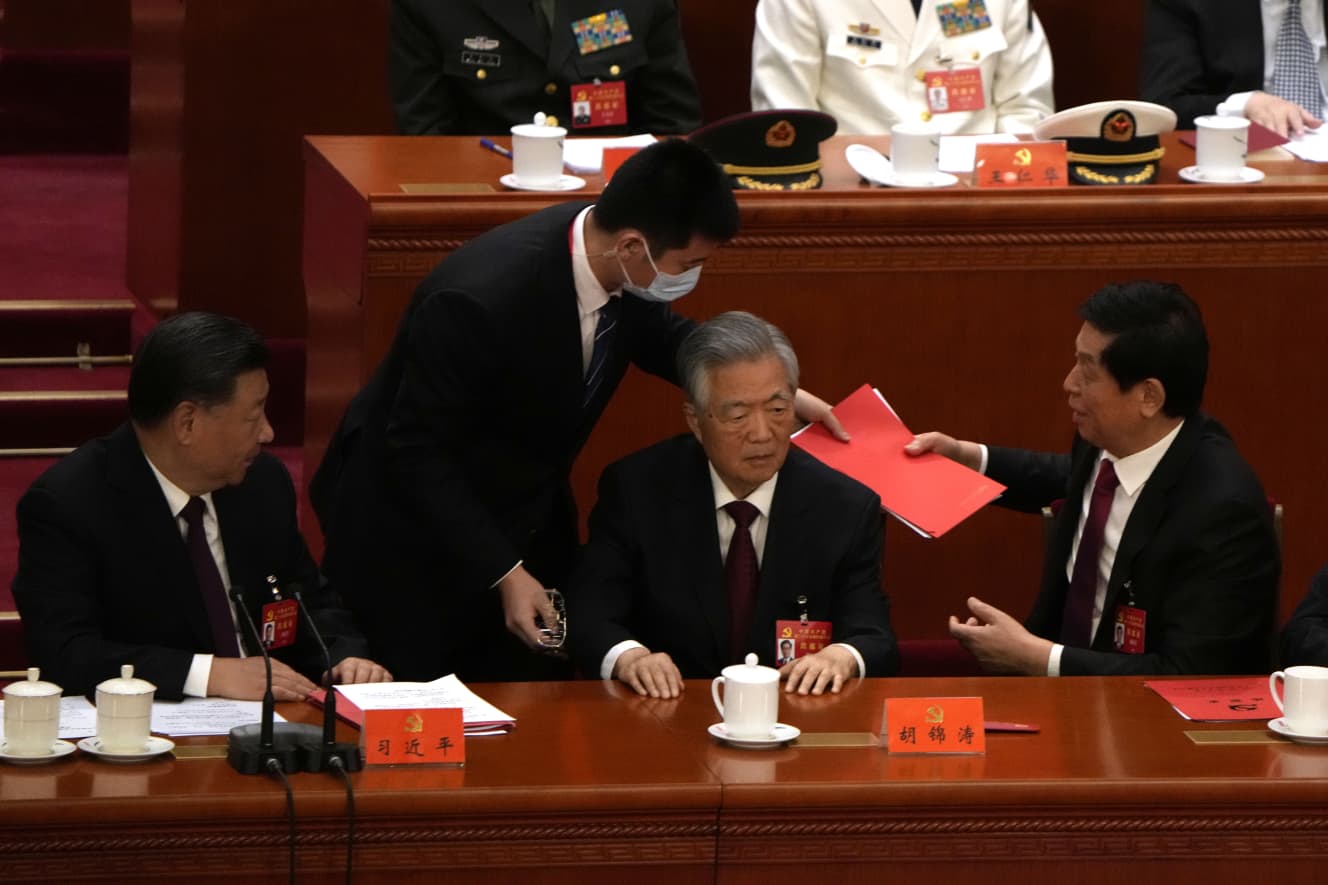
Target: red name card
[[1020, 164], [413, 737], [934, 725]]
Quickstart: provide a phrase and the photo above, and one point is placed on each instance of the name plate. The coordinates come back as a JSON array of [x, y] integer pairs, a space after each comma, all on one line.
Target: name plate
[[433, 736], [1020, 164], [934, 725]]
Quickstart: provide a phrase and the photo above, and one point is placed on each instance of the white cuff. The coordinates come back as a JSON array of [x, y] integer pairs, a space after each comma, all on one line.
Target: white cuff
[[200, 671], [611, 659], [982, 465], [519, 563], [857, 656], [1234, 106], [1054, 660]]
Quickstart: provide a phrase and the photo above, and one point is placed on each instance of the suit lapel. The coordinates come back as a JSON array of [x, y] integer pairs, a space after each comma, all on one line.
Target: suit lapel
[[900, 21], [927, 32], [693, 524], [517, 20], [151, 517], [780, 559]]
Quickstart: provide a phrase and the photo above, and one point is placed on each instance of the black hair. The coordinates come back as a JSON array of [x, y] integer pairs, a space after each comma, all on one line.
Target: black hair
[[193, 357], [670, 191], [1159, 333]]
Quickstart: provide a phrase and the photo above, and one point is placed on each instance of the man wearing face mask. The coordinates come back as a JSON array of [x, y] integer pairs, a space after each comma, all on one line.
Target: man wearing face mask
[[444, 495]]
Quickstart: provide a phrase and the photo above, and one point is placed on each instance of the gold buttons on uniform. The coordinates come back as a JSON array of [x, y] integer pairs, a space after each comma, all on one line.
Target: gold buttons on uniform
[[926, 116], [615, 70], [481, 74], [862, 59], [922, 76], [550, 88], [976, 56], [550, 120]]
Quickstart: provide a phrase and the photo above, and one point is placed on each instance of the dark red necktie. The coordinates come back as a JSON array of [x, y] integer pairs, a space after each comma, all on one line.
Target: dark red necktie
[[1077, 619], [741, 574], [209, 581]]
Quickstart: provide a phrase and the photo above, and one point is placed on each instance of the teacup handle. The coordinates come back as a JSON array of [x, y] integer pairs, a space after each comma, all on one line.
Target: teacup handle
[[714, 694], [1272, 689]]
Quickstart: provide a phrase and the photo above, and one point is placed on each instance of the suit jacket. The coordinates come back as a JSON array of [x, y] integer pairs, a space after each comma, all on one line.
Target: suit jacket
[[453, 463], [1305, 637], [476, 67], [1198, 52], [653, 572], [1198, 555], [104, 577], [801, 58]]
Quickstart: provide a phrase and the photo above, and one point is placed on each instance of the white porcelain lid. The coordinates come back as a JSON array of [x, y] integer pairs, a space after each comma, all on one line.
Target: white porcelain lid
[[751, 671], [32, 687], [126, 683]]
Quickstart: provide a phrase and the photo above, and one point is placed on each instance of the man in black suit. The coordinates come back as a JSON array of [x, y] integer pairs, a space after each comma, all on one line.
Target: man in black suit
[[476, 67], [128, 547], [1305, 636], [1217, 56], [659, 596], [1183, 573]]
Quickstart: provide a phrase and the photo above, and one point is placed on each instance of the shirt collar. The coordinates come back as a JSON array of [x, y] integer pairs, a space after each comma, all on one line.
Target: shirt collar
[[1134, 470], [760, 498], [177, 497], [590, 295]]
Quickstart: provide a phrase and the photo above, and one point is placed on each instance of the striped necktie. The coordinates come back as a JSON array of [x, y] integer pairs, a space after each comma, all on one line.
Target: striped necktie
[[605, 329]]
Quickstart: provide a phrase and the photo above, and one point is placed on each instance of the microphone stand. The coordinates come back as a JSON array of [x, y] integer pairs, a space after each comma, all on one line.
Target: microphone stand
[[251, 747], [318, 754]]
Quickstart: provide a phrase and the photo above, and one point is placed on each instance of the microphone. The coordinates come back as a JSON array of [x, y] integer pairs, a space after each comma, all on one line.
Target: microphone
[[318, 755], [250, 747]]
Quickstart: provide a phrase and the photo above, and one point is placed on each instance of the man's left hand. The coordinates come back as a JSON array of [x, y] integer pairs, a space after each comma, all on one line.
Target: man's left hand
[[356, 670], [999, 642], [829, 668], [811, 408]]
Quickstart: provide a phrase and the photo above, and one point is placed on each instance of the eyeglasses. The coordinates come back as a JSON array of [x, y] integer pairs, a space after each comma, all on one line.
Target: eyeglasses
[[552, 636]]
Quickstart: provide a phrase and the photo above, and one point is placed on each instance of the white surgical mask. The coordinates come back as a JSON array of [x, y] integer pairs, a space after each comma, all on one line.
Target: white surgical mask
[[665, 287]]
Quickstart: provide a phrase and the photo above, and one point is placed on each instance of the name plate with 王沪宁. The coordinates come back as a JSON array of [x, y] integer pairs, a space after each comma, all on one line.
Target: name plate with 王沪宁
[[1020, 164], [430, 736], [934, 725]]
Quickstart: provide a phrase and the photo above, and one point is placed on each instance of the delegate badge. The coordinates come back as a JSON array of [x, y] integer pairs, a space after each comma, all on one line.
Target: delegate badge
[[599, 104], [955, 89], [796, 639], [1129, 632], [279, 622]]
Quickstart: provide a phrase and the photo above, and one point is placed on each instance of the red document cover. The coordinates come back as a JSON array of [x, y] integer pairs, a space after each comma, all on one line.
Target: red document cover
[[1218, 700], [930, 494]]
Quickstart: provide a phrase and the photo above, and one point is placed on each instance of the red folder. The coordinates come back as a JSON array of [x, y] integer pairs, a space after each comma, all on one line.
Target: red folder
[[1224, 699], [929, 493]]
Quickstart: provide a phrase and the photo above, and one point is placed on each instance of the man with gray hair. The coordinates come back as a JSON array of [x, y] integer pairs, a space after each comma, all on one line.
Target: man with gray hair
[[708, 546]]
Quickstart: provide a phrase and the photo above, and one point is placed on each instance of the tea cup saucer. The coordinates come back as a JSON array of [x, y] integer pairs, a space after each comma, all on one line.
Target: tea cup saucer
[[780, 735], [59, 750], [155, 746], [1280, 726]]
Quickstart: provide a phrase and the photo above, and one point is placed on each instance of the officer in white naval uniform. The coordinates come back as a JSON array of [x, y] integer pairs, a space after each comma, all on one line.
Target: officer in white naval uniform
[[873, 63]]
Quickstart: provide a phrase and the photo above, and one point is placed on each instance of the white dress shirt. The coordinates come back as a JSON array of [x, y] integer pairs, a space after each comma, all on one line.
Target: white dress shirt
[[1273, 11], [200, 669]]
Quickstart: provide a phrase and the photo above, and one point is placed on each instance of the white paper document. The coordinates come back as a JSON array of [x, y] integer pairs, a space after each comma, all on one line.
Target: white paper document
[[1312, 146], [586, 155], [959, 152], [200, 716], [478, 715], [78, 718]]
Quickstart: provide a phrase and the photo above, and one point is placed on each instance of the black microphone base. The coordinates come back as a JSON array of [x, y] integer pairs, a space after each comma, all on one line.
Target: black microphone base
[[318, 755], [247, 755]]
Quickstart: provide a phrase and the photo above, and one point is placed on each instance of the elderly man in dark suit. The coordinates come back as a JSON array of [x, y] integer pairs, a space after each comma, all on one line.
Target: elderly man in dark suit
[[701, 543], [130, 546], [1261, 60], [445, 495], [476, 67], [1163, 557]]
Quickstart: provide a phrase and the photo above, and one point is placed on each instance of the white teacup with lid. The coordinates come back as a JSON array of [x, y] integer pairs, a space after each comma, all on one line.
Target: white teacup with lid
[[32, 716], [751, 699], [124, 713]]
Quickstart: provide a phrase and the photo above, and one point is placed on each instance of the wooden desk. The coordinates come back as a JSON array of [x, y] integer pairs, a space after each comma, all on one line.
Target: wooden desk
[[596, 785], [959, 304]]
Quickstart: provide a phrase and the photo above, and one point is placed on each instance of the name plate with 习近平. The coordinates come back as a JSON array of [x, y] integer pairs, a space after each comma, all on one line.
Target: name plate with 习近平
[[1020, 164], [430, 736]]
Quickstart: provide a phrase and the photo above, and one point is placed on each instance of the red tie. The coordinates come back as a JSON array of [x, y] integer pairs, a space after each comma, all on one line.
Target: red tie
[[1077, 619], [741, 575], [209, 581]]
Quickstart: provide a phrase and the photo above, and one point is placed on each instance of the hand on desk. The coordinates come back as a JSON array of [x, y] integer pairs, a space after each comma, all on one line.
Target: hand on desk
[[999, 642], [967, 453], [830, 668], [648, 673], [811, 408], [245, 679], [1286, 118], [523, 599], [351, 671]]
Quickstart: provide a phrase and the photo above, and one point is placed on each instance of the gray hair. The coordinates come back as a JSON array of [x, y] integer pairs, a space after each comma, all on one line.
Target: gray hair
[[732, 337]]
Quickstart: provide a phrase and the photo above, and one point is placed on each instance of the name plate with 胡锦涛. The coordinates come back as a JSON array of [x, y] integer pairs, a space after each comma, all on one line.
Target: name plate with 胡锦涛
[[934, 725]]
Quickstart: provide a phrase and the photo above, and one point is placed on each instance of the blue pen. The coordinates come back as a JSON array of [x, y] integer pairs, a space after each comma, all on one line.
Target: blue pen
[[488, 144]]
